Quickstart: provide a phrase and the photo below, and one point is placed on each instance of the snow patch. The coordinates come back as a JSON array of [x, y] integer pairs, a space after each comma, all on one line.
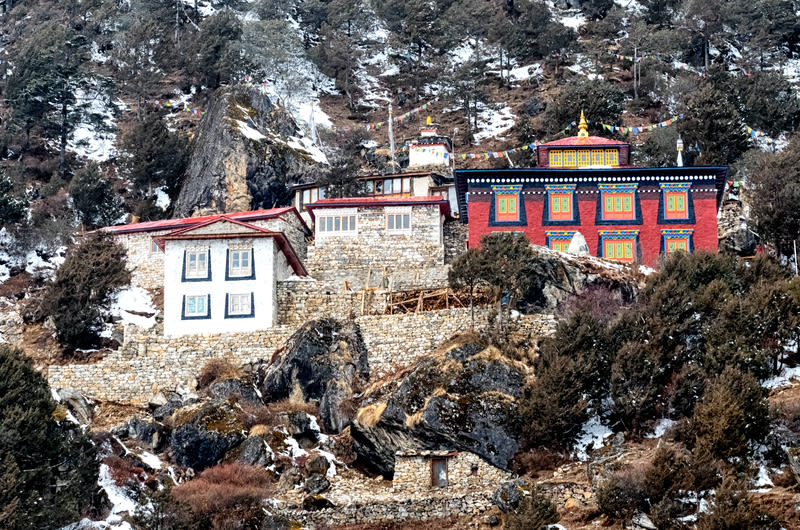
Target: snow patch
[[494, 123], [594, 433], [162, 199], [663, 425], [151, 460], [785, 378], [129, 303], [249, 132]]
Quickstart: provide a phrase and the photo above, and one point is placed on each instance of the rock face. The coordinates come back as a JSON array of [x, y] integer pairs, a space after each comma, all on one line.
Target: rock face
[[204, 433], [246, 152], [463, 397], [326, 362], [559, 276], [734, 234]]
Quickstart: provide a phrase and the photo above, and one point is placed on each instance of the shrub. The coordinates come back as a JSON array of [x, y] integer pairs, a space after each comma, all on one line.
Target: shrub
[[622, 494], [733, 413], [226, 492], [12, 207], [91, 272], [733, 509], [535, 512], [217, 369], [552, 408]]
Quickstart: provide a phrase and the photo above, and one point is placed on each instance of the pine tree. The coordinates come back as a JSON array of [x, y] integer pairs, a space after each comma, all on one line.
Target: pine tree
[[94, 198], [49, 468]]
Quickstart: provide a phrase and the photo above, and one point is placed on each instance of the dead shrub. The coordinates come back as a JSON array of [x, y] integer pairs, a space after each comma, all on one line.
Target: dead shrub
[[623, 493], [123, 472], [253, 415], [217, 369], [536, 460], [224, 493], [343, 447]]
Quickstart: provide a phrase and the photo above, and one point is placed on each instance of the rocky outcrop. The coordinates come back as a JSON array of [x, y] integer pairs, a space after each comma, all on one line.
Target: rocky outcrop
[[734, 234], [325, 363], [247, 150], [463, 397], [204, 433], [558, 276]]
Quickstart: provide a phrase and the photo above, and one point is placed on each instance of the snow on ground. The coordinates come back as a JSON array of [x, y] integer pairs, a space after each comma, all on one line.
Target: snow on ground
[[95, 142], [594, 433], [204, 7], [127, 305], [762, 481], [493, 123], [631, 6], [120, 502], [32, 262], [663, 425], [783, 379], [249, 132], [522, 73], [573, 20]]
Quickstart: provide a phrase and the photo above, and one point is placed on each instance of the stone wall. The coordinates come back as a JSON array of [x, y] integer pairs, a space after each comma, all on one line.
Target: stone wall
[[149, 363], [147, 267], [373, 247], [412, 473], [456, 237], [397, 510]]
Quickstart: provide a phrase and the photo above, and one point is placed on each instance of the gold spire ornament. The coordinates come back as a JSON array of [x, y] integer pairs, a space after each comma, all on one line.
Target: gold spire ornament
[[428, 122], [583, 127]]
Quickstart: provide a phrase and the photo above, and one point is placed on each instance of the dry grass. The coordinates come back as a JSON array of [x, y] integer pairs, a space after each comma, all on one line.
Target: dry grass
[[123, 472], [370, 415], [218, 369], [292, 404]]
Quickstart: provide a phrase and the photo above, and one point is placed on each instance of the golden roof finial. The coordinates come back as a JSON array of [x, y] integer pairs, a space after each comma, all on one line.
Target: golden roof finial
[[428, 121], [583, 127]]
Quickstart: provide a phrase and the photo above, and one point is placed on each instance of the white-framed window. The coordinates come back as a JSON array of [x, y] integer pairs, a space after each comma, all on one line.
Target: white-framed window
[[197, 263], [196, 306], [154, 247], [311, 196], [398, 219], [340, 222], [240, 304], [239, 263]]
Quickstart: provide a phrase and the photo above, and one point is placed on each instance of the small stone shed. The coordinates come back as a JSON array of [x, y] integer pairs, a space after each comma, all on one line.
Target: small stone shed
[[423, 471]]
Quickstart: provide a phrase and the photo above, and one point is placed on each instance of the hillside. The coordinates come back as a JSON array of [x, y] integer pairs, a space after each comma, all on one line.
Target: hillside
[[396, 383]]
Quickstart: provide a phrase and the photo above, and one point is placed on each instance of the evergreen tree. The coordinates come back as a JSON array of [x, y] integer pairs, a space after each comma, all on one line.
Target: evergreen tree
[[156, 156], [49, 467], [713, 125], [601, 101], [94, 198], [91, 272], [12, 206], [215, 51]]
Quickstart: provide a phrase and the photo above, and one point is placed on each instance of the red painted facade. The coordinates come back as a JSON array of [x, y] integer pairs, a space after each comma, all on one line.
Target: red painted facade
[[649, 244]]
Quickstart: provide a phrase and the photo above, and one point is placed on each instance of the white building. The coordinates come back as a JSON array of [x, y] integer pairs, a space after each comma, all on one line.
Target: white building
[[218, 273]]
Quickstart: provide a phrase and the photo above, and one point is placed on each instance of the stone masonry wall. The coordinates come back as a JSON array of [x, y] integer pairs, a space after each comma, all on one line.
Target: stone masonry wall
[[149, 363], [373, 247], [147, 268], [456, 236], [412, 473]]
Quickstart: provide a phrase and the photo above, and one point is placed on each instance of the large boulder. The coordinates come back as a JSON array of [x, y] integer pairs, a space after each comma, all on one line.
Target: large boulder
[[326, 361], [204, 433], [247, 150], [463, 396]]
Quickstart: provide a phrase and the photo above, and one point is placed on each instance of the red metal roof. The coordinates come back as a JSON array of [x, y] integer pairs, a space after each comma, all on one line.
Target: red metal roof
[[444, 206], [280, 238], [188, 222], [585, 140]]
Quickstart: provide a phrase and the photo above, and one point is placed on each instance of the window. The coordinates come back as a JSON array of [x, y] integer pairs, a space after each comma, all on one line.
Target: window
[[154, 247], [676, 203], [570, 158], [196, 265], [597, 157], [311, 195], [196, 307], [439, 472], [559, 240], [555, 158], [612, 157], [398, 222], [619, 244], [618, 201], [583, 158], [390, 186], [507, 208], [239, 305], [240, 264], [559, 201], [676, 240], [341, 223]]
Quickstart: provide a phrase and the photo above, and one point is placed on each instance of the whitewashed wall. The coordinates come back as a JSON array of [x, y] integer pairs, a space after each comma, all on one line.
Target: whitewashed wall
[[263, 288]]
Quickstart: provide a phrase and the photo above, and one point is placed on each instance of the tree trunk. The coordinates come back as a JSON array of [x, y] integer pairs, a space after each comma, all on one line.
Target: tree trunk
[[62, 156], [707, 44]]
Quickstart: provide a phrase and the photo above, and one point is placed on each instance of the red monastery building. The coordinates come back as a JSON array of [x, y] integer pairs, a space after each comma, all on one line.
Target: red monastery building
[[586, 184]]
